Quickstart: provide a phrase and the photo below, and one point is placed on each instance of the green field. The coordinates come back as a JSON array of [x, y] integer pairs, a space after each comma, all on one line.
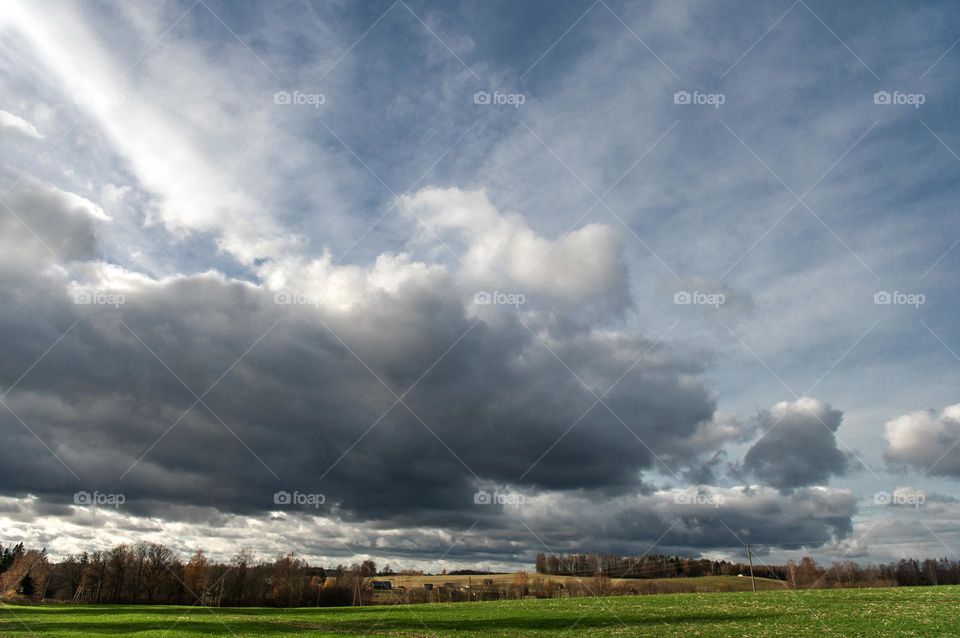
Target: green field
[[915, 611], [701, 584]]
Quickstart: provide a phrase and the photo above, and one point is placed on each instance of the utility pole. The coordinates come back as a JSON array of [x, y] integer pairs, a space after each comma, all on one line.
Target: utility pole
[[753, 582]]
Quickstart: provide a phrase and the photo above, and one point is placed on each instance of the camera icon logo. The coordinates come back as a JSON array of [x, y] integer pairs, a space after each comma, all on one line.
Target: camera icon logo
[[282, 498], [681, 97], [482, 298], [682, 298], [882, 298], [83, 297], [481, 97], [281, 298], [82, 498], [882, 97], [881, 498], [482, 497], [281, 97]]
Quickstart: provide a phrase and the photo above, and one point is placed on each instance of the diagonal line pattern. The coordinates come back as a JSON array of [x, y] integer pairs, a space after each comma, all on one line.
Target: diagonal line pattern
[[222, 175], [796, 396], [639, 39], [132, 66], [9, 610], [940, 58], [357, 41], [439, 39], [957, 357], [820, 20], [937, 536], [56, 256], [557, 41], [599, 398], [409, 607], [238, 39], [799, 199], [17, 382], [395, 200], [623, 175], [37, 437], [839, 39], [396, 196], [758, 40], [39, 359], [399, 399], [599, 199], [954, 244], [200, 399], [199, 600]]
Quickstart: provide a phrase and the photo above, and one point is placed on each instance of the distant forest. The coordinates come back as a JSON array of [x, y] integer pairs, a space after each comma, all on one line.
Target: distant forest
[[803, 574], [150, 573]]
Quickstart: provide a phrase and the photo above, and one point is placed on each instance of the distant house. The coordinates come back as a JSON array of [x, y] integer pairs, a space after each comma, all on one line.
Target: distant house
[[381, 584], [428, 585]]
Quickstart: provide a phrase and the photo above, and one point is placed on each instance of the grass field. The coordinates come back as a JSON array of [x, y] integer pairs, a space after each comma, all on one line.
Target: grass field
[[699, 584], [914, 611], [702, 584]]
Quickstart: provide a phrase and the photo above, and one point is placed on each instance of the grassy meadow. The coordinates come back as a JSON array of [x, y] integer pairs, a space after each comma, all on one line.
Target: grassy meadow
[[913, 611]]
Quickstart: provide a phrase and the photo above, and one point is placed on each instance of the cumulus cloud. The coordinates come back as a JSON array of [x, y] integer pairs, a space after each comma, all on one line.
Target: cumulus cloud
[[799, 445], [48, 223], [925, 441], [11, 124], [586, 264], [302, 394]]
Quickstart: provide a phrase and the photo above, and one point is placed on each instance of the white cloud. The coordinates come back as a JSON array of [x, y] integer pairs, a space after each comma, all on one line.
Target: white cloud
[[176, 158], [926, 441], [17, 125], [501, 249]]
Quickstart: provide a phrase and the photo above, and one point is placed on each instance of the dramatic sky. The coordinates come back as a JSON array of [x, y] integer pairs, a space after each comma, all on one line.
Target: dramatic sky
[[452, 284]]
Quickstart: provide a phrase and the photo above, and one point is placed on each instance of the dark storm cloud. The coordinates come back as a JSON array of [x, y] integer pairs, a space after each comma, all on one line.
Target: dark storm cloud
[[290, 391], [303, 398], [799, 446]]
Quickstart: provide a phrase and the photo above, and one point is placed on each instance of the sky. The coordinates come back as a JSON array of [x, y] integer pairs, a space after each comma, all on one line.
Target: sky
[[451, 284]]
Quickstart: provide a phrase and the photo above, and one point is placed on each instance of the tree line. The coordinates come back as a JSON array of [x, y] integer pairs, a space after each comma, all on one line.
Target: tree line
[[151, 573], [802, 574]]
